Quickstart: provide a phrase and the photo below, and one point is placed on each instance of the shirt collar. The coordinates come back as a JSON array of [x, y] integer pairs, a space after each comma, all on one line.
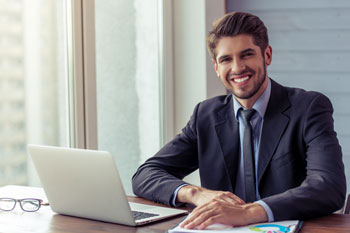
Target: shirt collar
[[259, 106]]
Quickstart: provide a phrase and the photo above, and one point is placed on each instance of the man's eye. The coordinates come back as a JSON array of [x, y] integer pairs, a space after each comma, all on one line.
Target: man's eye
[[247, 54], [226, 59]]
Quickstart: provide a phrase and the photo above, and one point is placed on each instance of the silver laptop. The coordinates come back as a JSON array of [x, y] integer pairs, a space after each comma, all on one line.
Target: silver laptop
[[86, 183]]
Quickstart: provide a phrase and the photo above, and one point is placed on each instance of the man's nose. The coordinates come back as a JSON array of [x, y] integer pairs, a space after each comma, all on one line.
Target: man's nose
[[238, 66]]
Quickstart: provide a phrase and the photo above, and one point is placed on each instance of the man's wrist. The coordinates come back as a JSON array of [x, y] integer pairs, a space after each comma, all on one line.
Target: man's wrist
[[268, 210], [187, 194], [255, 213], [174, 201]]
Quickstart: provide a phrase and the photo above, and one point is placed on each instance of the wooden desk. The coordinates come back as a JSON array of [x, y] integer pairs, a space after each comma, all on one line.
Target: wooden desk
[[45, 220]]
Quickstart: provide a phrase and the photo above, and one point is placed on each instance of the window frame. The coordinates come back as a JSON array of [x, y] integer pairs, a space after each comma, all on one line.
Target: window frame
[[82, 74]]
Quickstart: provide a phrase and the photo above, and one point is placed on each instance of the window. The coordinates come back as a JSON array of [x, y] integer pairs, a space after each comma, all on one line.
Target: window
[[32, 84], [41, 105], [128, 82]]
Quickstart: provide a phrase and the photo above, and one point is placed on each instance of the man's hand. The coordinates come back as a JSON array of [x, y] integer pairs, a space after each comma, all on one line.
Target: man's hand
[[218, 207], [199, 196]]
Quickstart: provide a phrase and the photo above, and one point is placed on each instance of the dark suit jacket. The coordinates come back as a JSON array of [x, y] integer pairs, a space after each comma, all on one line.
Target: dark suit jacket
[[300, 168]]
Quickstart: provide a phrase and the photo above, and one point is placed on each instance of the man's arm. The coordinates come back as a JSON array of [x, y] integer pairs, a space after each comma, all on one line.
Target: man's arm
[[158, 178], [323, 190]]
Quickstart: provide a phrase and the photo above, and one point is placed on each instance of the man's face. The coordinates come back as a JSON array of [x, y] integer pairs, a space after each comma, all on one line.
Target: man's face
[[242, 67]]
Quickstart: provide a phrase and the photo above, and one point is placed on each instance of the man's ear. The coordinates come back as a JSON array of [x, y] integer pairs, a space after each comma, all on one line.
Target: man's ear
[[216, 67], [268, 55]]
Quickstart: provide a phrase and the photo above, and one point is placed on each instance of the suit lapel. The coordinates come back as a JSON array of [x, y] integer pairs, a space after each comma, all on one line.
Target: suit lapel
[[275, 122], [227, 131]]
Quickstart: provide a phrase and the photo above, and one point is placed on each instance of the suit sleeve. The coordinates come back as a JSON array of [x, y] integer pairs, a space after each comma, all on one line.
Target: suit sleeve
[[160, 175], [323, 190]]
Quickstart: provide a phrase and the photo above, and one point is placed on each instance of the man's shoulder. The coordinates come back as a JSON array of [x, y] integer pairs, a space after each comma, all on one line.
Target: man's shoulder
[[213, 109], [215, 103], [296, 94], [217, 100]]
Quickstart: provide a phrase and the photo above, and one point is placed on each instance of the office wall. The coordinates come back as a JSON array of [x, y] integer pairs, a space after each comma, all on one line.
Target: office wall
[[194, 75], [311, 50]]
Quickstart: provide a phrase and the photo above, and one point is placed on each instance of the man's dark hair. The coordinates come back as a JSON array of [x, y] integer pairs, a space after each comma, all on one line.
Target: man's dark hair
[[236, 23]]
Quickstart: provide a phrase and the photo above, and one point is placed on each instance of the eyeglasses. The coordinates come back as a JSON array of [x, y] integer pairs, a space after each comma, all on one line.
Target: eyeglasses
[[27, 204]]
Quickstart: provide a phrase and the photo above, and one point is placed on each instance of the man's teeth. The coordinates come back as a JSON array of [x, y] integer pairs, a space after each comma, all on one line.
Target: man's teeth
[[239, 80]]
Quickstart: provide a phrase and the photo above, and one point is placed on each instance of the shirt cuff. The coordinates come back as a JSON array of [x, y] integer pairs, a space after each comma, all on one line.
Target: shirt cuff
[[267, 209], [173, 200]]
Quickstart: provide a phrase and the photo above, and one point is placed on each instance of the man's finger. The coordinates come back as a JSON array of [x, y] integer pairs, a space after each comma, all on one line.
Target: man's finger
[[198, 212], [208, 222], [197, 220], [231, 198], [195, 213], [235, 198]]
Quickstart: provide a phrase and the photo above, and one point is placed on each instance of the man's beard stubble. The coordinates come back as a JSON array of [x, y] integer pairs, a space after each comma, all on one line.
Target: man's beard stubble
[[257, 88]]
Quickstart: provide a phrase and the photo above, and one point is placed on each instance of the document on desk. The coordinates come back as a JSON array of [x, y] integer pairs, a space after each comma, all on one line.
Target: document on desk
[[291, 226]]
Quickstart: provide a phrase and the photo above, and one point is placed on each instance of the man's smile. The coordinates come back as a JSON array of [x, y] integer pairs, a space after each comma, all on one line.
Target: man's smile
[[240, 79]]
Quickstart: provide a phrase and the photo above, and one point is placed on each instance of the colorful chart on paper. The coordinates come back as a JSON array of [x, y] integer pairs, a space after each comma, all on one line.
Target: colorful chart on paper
[[270, 228]]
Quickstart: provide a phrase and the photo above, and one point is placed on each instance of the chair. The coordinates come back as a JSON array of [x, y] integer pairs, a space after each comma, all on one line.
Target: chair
[[346, 209]]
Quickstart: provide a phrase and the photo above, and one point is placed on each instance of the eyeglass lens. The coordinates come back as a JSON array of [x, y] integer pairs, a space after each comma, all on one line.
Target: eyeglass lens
[[30, 204], [7, 204]]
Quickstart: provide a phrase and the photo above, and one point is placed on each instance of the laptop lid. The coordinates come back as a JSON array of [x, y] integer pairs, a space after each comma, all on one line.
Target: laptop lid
[[86, 183]]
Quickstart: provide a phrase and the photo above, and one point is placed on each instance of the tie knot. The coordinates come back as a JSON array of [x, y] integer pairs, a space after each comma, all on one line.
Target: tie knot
[[247, 115]]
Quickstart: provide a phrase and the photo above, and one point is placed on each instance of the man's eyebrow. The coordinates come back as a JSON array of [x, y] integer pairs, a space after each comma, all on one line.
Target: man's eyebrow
[[248, 50]]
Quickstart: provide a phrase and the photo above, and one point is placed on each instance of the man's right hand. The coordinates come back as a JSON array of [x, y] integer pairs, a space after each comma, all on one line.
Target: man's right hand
[[199, 196]]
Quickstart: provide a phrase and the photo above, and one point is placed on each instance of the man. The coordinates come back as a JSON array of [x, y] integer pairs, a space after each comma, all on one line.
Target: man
[[264, 153]]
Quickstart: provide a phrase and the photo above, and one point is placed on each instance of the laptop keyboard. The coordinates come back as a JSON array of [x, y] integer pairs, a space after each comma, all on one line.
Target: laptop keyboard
[[141, 215]]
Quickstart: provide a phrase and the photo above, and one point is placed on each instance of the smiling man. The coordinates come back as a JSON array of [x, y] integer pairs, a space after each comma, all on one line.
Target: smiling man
[[265, 152]]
